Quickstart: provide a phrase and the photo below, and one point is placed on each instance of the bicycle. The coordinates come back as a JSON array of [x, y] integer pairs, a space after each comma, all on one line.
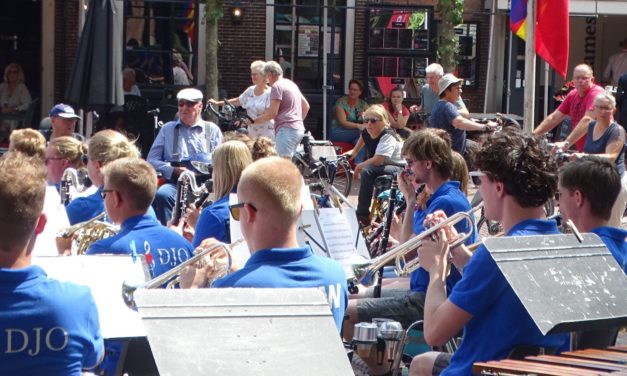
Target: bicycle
[[329, 167], [231, 118]]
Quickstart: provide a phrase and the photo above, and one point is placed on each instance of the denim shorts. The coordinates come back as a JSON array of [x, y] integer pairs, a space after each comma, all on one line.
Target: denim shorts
[[287, 140]]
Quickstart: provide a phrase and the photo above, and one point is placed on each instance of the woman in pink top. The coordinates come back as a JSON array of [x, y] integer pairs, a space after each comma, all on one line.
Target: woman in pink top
[[398, 113]]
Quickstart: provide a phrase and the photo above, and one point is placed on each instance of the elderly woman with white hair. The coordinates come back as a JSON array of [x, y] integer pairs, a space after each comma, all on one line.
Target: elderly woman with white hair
[[256, 101], [288, 108]]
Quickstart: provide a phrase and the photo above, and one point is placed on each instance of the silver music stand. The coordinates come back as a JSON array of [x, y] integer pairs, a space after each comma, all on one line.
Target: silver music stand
[[564, 284], [242, 332]]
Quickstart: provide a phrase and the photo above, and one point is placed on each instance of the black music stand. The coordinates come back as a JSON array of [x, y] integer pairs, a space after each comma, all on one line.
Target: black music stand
[[565, 285], [242, 332]]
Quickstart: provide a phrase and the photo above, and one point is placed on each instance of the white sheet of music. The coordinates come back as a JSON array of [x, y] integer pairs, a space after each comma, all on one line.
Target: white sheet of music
[[104, 274]]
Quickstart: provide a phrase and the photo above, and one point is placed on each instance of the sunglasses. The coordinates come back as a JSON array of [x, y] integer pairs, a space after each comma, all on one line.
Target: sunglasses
[[370, 120], [104, 192], [235, 209], [187, 104], [475, 177]]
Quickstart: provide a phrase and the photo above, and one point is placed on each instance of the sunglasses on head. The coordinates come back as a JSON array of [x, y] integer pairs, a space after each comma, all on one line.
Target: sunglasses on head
[[475, 177], [235, 209]]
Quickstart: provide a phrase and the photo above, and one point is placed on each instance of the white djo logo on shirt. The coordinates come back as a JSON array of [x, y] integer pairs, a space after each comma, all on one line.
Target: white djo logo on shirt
[[19, 340]]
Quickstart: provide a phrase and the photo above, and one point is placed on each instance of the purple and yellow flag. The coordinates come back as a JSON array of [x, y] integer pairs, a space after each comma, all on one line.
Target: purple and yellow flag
[[518, 18]]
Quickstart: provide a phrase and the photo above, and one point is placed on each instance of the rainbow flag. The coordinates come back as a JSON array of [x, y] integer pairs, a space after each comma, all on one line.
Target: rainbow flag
[[518, 18]]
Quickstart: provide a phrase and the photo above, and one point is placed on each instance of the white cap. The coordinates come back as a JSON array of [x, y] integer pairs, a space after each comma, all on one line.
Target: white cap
[[190, 94], [446, 81]]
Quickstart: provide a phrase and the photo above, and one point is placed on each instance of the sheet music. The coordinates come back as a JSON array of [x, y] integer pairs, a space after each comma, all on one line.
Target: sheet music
[[337, 233], [240, 253]]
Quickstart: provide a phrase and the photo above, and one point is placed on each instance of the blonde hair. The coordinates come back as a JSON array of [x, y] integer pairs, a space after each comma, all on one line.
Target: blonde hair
[[108, 145], [257, 66], [29, 142], [263, 147], [22, 192], [379, 111], [134, 178], [229, 160], [278, 182], [69, 148], [460, 171], [20, 73]]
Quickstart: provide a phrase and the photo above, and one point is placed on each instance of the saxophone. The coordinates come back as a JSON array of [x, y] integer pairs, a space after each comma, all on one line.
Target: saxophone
[[88, 232], [187, 192], [70, 179]]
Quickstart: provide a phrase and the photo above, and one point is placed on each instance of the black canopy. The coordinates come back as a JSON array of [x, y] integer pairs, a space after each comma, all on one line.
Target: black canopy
[[96, 79]]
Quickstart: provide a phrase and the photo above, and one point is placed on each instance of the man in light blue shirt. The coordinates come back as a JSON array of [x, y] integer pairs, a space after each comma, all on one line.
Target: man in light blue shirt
[[179, 142]]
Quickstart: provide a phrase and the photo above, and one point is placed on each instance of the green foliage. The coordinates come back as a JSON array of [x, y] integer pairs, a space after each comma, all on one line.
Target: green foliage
[[214, 10], [451, 14]]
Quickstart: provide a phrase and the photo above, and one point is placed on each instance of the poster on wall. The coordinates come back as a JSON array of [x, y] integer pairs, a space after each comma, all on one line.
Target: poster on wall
[[308, 40]]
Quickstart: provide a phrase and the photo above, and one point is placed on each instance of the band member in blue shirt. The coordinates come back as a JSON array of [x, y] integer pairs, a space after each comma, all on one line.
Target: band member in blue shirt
[[229, 160], [269, 195], [179, 142], [517, 176], [47, 327], [129, 188], [587, 190]]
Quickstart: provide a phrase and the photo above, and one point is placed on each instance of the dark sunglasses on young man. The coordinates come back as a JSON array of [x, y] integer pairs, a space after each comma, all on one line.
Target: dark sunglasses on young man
[[235, 209], [474, 176]]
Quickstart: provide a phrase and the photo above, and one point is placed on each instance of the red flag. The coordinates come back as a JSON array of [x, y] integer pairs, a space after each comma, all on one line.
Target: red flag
[[552, 33]]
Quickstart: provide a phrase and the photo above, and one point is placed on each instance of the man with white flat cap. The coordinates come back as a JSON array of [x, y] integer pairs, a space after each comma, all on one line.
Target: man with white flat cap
[[445, 115], [188, 138]]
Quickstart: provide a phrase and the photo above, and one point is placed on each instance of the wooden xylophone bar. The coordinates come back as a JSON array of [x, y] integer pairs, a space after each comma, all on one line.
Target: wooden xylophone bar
[[612, 361]]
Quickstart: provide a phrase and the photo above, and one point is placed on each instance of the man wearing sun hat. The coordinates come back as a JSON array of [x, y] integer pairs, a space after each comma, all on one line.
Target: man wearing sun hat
[[446, 116], [63, 123], [188, 138]]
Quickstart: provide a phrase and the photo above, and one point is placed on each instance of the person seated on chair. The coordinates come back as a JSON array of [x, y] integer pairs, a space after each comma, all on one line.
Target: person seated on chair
[[383, 149], [268, 208], [180, 141], [48, 327], [397, 112], [63, 123], [428, 155], [129, 84], [229, 160], [348, 120], [517, 176], [129, 187], [589, 206]]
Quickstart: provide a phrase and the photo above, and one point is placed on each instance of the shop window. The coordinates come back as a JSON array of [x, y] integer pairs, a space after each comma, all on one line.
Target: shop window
[[467, 60], [399, 48], [299, 41], [161, 42]]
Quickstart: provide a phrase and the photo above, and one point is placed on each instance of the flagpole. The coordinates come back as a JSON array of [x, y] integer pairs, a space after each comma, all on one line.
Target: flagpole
[[530, 67]]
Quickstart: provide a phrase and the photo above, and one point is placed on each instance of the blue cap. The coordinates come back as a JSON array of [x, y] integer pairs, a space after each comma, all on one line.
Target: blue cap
[[64, 111]]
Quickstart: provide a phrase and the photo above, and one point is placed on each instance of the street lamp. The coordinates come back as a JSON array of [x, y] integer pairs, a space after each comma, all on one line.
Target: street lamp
[[237, 12]]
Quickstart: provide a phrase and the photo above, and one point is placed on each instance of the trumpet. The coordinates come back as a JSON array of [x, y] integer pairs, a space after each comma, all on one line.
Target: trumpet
[[129, 288], [366, 273]]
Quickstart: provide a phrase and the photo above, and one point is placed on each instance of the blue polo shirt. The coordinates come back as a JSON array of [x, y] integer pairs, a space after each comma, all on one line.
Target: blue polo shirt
[[214, 222], [164, 248], [614, 239], [450, 199], [293, 267], [47, 327], [500, 322], [85, 208]]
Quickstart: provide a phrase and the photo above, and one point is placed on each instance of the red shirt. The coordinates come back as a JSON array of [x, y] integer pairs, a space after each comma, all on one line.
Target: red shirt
[[576, 107]]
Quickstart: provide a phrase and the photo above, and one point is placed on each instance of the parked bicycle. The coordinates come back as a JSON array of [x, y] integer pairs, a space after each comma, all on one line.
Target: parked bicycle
[[326, 165]]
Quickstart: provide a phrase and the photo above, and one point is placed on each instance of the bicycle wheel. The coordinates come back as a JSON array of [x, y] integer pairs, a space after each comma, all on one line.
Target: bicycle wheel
[[341, 178]]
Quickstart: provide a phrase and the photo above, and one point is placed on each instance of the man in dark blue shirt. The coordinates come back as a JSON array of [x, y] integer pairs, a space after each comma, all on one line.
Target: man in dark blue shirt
[[269, 195], [47, 327], [129, 188], [517, 176], [587, 189], [446, 116]]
